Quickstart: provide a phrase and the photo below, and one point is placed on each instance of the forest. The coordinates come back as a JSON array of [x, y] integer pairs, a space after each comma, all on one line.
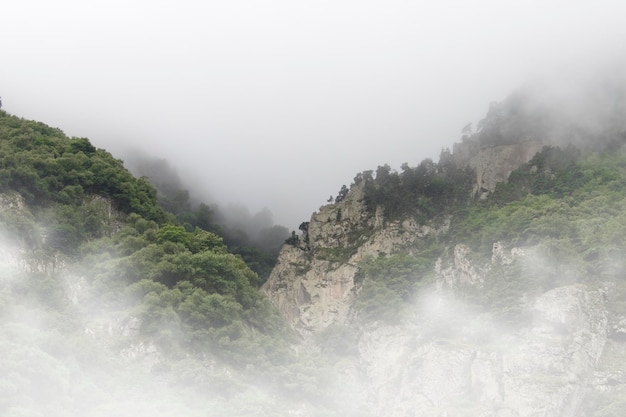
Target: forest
[[123, 297], [89, 231]]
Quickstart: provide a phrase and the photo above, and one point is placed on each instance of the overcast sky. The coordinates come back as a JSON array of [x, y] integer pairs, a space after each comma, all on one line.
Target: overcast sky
[[278, 103]]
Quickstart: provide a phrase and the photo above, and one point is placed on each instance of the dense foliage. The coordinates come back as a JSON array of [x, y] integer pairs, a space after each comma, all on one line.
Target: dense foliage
[[391, 282], [422, 191], [45, 166], [557, 195], [565, 204], [254, 238], [98, 250], [111, 265]]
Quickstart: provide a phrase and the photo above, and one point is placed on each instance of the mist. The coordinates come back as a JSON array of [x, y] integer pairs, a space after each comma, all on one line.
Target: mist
[[276, 105], [69, 347], [264, 110], [234, 222]]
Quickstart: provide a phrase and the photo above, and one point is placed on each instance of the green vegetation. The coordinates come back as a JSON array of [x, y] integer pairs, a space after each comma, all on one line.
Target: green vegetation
[[566, 203], [335, 255], [112, 264], [421, 192], [259, 247], [92, 231], [45, 166], [568, 207], [576, 204], [189, 281], [390, 283], [49, 169]]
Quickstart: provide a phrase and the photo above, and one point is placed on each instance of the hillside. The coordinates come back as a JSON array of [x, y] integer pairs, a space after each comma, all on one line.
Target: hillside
[[112, 307], [488, 283]]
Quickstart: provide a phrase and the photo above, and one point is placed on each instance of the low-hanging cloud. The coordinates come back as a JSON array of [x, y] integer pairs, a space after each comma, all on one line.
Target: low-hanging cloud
[[278, 104]]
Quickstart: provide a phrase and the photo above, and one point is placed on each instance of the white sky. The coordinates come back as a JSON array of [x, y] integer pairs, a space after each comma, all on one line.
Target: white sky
[[278, 103]]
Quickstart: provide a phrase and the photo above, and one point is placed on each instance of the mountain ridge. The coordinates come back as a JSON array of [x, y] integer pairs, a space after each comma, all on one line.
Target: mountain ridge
[[489, 283], [495, 296]]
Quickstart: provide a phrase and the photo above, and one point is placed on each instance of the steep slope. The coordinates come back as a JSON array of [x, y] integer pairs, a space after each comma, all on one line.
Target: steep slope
[[489, 283], [315, 281], [108, 307], [499, 297]]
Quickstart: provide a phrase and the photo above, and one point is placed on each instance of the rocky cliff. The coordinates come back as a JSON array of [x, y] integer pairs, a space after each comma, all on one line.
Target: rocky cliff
[[313, 283], [563, 354], [474, 366], [448, 359], [493, 164]]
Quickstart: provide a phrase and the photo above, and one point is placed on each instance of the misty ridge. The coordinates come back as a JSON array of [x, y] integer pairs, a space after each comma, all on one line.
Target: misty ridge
[[244, 233], [412, 292]]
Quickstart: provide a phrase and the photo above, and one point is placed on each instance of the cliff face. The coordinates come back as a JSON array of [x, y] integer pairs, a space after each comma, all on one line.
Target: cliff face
[[450, 360], [446, 358], [313, 283], [473, 366], [493, 164]]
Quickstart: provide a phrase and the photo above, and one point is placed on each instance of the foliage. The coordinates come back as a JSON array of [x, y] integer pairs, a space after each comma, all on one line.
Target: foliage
[[44, 166], [180, 280], [194, 301], [293, 240], [49, 169], [567, 203], [428, 189], [192, 289], [343, 192], [553, 197], [258, 243], [570, 207], [390, 283], [338, 255], [338, 340]]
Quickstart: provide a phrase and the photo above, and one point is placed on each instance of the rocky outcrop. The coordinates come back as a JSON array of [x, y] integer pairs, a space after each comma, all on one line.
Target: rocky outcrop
[[14, 256], [447, 359], [12, 201], [494, 163], [458, 270], [313, 283], [471, 366], [26, 236]]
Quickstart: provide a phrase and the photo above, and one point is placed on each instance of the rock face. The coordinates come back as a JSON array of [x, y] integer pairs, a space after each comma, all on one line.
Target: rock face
[[449, 360], [313, 283], [452, 361], [13, 201], [493, 164], [30, 236], [541, 372]]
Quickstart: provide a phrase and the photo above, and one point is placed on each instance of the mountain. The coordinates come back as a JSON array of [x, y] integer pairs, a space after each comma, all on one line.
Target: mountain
[[109, 306], [488, 283]]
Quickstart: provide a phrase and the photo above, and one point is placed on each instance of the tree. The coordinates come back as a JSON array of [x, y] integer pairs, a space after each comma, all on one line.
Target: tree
[[171, 233], [293, 239], [343, 192], [82, 145]]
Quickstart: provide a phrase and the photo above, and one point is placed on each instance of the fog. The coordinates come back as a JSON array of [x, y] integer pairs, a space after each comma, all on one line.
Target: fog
[[266, 109], [65, 351], [80, 357], [277, 104]]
